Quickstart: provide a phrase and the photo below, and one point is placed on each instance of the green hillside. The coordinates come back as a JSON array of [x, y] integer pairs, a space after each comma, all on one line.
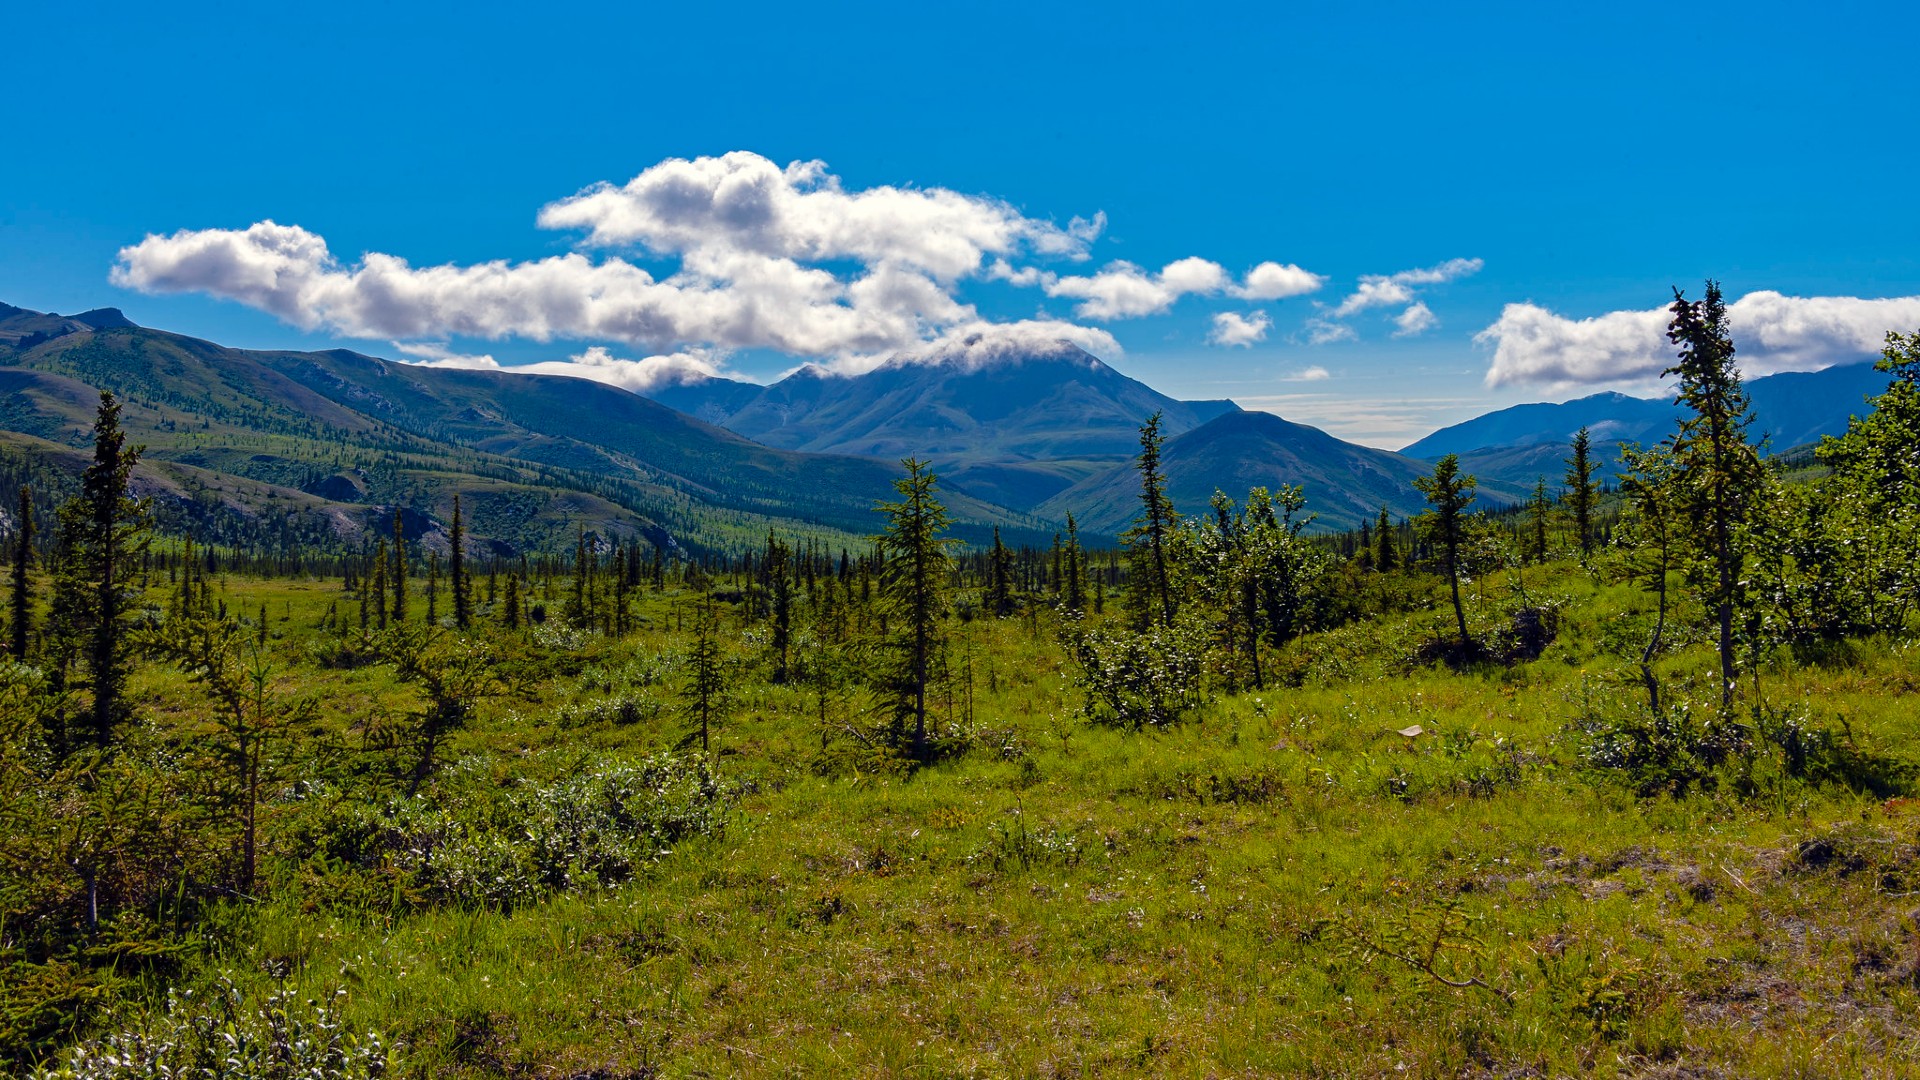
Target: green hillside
[[536, 456]]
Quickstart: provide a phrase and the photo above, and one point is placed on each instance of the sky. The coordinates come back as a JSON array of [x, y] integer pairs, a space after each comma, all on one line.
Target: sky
[[1377, 219]]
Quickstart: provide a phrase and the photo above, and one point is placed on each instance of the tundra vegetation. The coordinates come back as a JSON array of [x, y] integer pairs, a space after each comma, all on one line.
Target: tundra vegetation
[[1618, 783]]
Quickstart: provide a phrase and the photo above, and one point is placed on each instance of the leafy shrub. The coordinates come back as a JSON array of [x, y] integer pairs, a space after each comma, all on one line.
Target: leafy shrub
[[1672, 750], [1819, 754], [594, 829], [220, 1034], [1249, 785], [618, 711], [1138, 680], [1010, 843]]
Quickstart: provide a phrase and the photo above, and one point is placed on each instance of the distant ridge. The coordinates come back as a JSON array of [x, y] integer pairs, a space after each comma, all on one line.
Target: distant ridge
[[325, 433], [1344, 483], [1014, 429], [1790, 409]]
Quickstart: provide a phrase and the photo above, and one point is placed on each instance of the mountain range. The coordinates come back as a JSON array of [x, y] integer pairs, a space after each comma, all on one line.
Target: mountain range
[[329, 438], [247, 445], [1517, 444], [1015, 430]]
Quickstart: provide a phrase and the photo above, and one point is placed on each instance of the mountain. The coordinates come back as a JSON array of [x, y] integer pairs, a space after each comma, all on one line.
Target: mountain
[[21, 328], [535, 456], [1516, 444], [1795, 408], [1014, 429], [1344, 483], [1609, 418], [708, 398]]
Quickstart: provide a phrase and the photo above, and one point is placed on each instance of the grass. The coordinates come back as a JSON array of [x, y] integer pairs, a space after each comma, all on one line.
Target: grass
[[1283, 883]]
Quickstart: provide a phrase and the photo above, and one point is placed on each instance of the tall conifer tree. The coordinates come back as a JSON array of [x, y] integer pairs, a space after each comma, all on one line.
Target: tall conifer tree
[[1387, 558], [913, 582], [457, 570], [1580, 493], [397, 567], [1150, 594], [21, 601], [1449, 492], [103, 530], [1720, 471]]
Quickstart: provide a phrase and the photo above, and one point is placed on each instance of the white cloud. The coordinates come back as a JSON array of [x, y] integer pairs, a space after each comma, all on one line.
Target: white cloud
[[980, 344], [743, 230], [738, 253], [1125, 291], [724, 300], [1324, 331], [744, 202], [1771, 333], [1392, 290], [1313, 373], [596, 363], [1416, 320], [1272, 281], [438, 354], [1231, 328], [1122, 290], [1025, 276], [1451, 270]]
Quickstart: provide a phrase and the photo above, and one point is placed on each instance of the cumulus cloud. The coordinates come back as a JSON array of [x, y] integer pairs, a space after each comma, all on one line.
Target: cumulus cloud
[[1390, 290], [596, 363], [1313, 373], [1272, 281], [1125, 291], [982, 344], [439, 354], [703, 257], [1231, 328], [1772, 332], [744, 202], [1417, 319], [746, 234], [1122, 290], [730, 300]]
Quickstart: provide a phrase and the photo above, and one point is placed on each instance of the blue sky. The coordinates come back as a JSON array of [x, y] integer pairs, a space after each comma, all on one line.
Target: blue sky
[[1531, 181]]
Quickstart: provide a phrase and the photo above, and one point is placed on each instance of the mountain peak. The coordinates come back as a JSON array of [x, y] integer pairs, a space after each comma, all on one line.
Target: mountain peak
[[981, 350], [106, 318]]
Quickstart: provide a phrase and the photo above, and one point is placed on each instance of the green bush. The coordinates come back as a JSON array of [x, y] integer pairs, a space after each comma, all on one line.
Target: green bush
[[221, 1034], [1149, 679]]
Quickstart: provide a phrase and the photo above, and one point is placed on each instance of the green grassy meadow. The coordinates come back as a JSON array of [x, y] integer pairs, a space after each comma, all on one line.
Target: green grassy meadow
[[1283, 883]]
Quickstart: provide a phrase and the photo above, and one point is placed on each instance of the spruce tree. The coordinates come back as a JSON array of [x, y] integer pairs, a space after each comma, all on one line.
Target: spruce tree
[[1539, 516], [380, 583], [397, 565], [457, 569], [913, 581], [1719, 471], [21, 603], [1580, 491], [706, 671], [1150, 594], [999, 578], [1449, 493], [1387, 559], [510, 614], [777, 571], [1075, 594], [576, 610], [102, 531]]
